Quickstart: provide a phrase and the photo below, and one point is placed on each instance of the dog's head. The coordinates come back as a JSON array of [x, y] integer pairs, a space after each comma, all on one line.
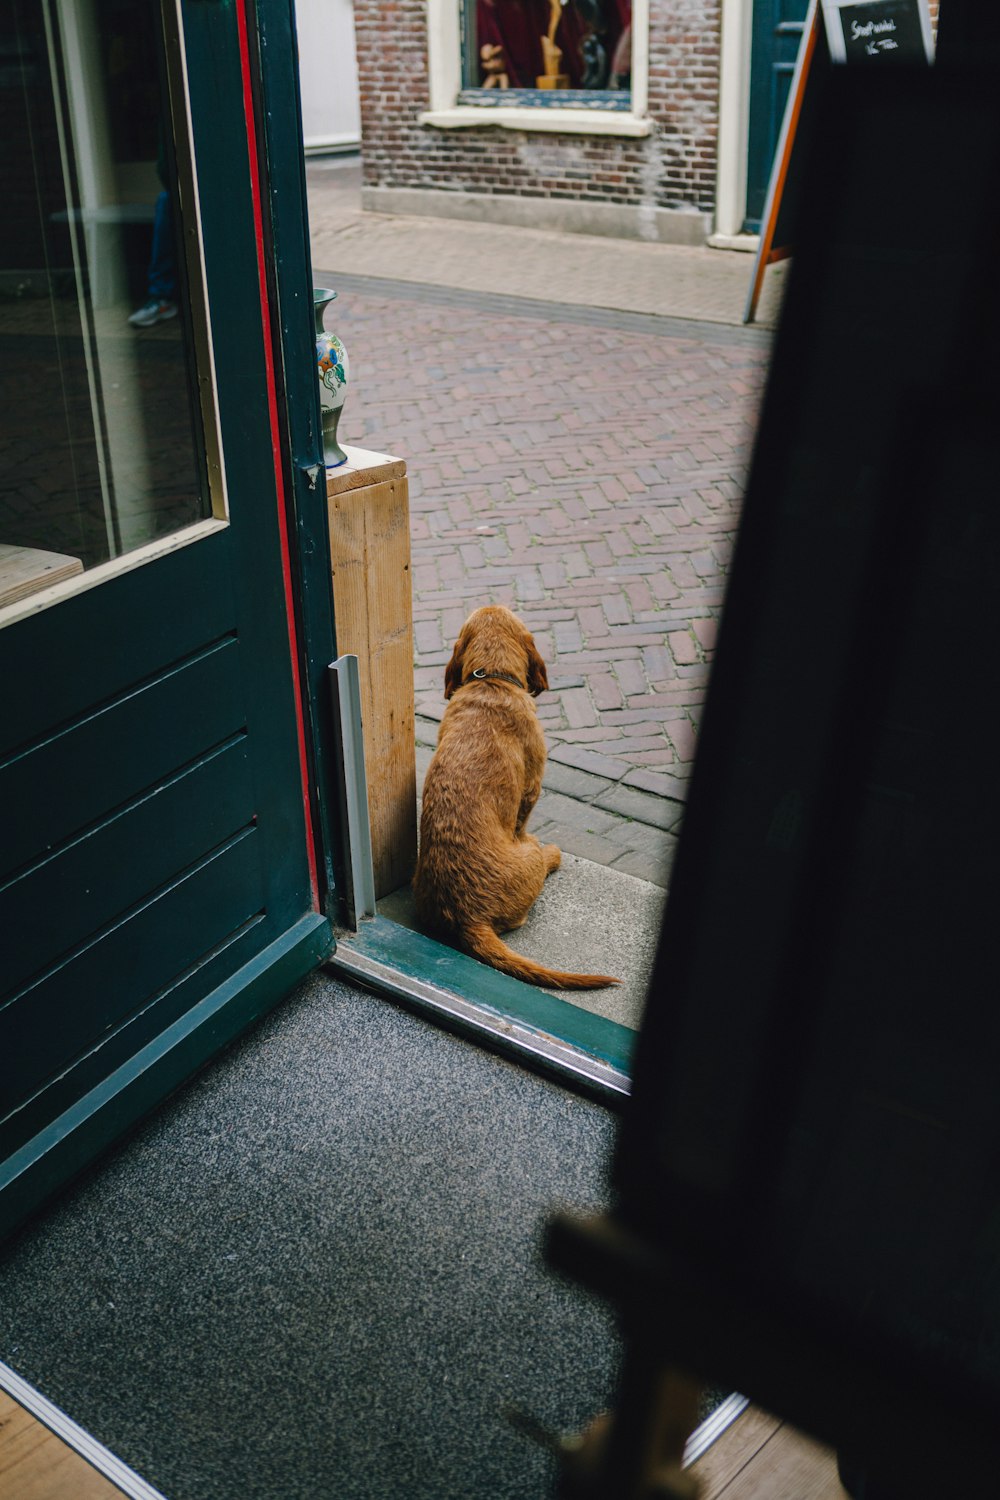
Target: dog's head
[[493, 639]]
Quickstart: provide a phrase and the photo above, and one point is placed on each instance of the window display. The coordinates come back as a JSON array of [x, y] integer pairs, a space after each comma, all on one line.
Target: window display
[[548, 45]]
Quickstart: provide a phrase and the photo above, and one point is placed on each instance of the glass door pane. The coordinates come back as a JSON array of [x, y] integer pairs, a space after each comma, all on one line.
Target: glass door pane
[[103, 441]]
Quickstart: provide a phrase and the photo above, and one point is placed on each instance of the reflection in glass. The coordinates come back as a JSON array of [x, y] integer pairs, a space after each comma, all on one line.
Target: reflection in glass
[[549, 44], [101, 444]]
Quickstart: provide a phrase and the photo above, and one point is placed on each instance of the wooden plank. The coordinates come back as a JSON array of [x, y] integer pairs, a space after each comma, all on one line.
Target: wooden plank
[[734, 1450], [26, 570], [37, 1465], [790, 1466], [373, 613], [762, 1458], [363, 467]]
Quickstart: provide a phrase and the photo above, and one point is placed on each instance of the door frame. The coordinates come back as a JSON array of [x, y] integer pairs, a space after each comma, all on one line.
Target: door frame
[[273, 100], [734, 126]]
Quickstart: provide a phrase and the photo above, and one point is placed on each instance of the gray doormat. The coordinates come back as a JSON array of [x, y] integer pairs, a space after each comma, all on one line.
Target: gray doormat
[[316, 1271]]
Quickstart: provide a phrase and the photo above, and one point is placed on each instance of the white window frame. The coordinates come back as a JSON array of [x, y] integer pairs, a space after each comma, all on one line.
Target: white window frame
[[444, 59]]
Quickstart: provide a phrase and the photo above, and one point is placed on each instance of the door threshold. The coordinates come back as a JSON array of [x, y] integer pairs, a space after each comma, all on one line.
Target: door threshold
[[528, 1024], [134, 1487], [715, 1424], [75, 1437]]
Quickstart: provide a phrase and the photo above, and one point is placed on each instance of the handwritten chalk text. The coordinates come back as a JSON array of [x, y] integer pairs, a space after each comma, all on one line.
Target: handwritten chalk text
[[859, 32]]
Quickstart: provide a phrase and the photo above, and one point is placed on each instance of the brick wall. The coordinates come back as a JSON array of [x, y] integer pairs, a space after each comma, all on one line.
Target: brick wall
[[673, 168], [684, 100]]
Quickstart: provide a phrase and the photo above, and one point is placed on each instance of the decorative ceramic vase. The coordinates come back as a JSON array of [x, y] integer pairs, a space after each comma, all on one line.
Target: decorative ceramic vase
[[332, 367]]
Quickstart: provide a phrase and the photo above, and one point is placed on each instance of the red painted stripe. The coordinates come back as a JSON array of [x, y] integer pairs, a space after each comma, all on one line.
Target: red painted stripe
[[279, 473]]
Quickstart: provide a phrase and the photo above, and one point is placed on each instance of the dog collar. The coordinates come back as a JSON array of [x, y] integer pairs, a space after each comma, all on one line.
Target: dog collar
[[481, 675]]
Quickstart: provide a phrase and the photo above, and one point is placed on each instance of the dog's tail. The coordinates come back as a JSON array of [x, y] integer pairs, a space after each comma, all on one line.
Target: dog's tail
[[483, 943]]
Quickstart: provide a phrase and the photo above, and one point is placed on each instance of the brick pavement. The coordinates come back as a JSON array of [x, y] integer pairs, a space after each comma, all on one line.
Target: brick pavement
[[584, 465]]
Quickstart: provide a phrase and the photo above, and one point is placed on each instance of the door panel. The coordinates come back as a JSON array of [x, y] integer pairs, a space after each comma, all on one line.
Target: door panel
[[165, 614], [63, 1103], [777, 32], [95, 879], [157, 887], [145, 951], [130, 746]]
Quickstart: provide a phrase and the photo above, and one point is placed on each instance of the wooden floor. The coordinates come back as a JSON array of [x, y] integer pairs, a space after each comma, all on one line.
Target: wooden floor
[[36, 1465], [757, 1458], [761, 1458]]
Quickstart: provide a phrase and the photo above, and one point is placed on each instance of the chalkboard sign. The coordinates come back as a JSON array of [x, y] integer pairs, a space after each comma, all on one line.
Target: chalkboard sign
[[881, 33], [873, 34]]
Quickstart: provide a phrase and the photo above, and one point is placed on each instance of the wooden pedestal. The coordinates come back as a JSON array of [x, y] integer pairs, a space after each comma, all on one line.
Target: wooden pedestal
[[368, 504]]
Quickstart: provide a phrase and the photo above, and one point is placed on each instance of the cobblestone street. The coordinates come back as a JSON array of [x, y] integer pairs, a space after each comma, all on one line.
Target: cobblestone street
[[585, 466]]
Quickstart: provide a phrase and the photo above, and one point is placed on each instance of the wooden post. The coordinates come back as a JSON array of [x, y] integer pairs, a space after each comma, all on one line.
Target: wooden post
[[368, 505]]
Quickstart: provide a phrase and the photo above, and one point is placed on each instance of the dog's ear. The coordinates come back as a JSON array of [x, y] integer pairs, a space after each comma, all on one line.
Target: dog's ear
[[453, 671], [538, 678]]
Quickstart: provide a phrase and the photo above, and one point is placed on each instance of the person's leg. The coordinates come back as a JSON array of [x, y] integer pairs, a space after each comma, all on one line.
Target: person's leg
[[161, 278], [162, 267]]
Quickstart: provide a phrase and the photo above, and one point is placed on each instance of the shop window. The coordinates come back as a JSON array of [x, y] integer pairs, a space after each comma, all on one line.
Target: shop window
[[573, 66], [547, 53]]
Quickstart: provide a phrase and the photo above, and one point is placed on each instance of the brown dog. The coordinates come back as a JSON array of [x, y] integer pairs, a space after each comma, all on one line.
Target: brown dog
[[479, 872]]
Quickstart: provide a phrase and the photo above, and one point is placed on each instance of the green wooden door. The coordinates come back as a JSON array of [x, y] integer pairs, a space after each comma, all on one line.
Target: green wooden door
[[777, 32], [159, 882]]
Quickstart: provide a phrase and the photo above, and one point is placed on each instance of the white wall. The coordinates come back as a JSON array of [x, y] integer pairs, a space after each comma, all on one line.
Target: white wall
[[328, 74]]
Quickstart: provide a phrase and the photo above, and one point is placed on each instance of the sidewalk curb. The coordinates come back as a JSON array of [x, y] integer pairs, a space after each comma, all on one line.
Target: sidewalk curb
[[669, 325]]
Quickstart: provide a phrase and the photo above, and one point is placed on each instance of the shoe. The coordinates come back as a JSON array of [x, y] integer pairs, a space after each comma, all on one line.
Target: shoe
[[153, 311]]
